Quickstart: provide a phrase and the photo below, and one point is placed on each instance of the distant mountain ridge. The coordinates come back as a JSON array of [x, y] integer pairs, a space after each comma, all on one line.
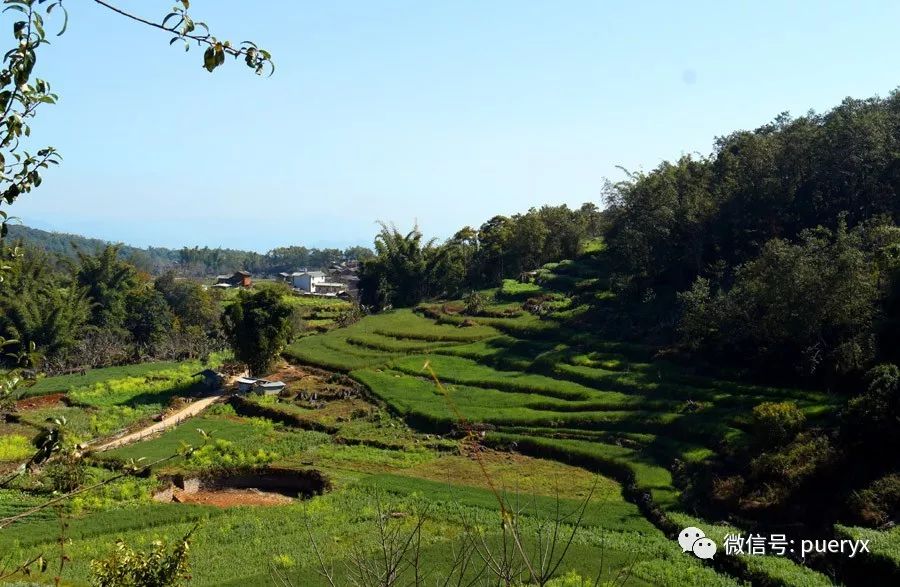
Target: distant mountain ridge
[[195, 261], [67, 245]]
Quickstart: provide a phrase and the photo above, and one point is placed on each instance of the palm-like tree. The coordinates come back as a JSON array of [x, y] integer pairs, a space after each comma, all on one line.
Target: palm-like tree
[[106, 281], [38, 312]]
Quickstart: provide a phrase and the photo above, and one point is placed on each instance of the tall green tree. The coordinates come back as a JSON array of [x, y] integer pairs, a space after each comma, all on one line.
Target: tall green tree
[[40, 308], [107, 280], [401, 271], [148, 316], [807, 308], [258, 326], [192, 304]]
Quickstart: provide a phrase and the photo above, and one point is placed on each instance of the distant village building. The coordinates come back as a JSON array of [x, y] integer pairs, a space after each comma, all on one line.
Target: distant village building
[[236, 279], [327, 288], [313, 282], [341, 279], [307, 280], [347, 274]]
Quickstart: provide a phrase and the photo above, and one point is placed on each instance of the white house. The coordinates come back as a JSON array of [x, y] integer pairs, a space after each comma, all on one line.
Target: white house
[[307, 280]]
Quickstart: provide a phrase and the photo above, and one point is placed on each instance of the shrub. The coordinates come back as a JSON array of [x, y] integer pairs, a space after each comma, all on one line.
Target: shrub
[[159, 567], [570, 579], [349, 316], [795, 463], [284, 561], [776, 423], [225, 455], [258, 327], [65, 474], [728, 490], [879, 503], [475, 303], [874, 414]]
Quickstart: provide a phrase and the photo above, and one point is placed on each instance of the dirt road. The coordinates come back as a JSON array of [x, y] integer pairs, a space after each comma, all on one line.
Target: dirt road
[[189, 411]]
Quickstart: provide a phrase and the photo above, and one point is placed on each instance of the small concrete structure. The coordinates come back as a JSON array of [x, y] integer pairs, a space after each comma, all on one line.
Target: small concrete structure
[[329, 288], [264, 387], [260, 386], [245, 384]]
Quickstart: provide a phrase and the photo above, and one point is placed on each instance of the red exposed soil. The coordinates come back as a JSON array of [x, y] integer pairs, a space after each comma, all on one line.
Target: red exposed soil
[[43, 401], [312, 380], [232, 497]]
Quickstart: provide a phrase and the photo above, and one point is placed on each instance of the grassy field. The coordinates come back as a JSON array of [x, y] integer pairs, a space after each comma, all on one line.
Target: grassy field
[[556, 414], [239, 545], [120, 400], [63, 383], [246, 434]]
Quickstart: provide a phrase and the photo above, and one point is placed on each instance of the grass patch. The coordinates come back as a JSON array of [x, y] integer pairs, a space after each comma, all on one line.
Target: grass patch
[[468, 372], [244, 434], [15, 448], [63, 383], [620, 462], [883, 544], [604, 511], [511, 289], [381, 342]]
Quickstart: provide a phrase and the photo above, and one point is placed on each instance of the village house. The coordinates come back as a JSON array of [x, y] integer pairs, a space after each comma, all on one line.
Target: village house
[[236, 279], [307, 280], [346, 274], [313, 282], [332, 283], [326, 288]]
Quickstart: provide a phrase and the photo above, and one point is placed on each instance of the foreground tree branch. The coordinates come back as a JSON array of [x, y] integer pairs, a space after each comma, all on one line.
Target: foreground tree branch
[[183, 28]]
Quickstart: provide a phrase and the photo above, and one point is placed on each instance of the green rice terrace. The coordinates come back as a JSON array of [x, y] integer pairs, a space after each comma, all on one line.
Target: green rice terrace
[[427, 409]]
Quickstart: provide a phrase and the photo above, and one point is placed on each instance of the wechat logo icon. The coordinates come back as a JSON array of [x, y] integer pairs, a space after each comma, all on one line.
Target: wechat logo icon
[[694, 540]]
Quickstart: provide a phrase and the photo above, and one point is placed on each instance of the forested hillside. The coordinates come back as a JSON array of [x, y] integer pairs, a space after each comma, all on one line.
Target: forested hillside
[[779, 252], [775, 259], [64, 245], [192, 261]]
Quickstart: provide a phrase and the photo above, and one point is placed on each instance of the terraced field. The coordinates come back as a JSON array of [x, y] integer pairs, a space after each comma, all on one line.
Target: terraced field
[[559, 415], [241, 545], [548, 391]]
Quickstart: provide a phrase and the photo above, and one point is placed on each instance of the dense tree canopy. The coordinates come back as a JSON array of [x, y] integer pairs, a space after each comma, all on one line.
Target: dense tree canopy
[[406, 270], [101, 311], [781, 243], [38, 311], [258, 327]]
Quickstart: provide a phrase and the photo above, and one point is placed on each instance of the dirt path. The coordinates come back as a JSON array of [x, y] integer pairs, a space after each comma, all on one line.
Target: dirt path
[[192, 409]]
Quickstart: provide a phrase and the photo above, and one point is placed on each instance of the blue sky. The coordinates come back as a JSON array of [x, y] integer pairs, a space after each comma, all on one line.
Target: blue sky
[[440, 112]]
